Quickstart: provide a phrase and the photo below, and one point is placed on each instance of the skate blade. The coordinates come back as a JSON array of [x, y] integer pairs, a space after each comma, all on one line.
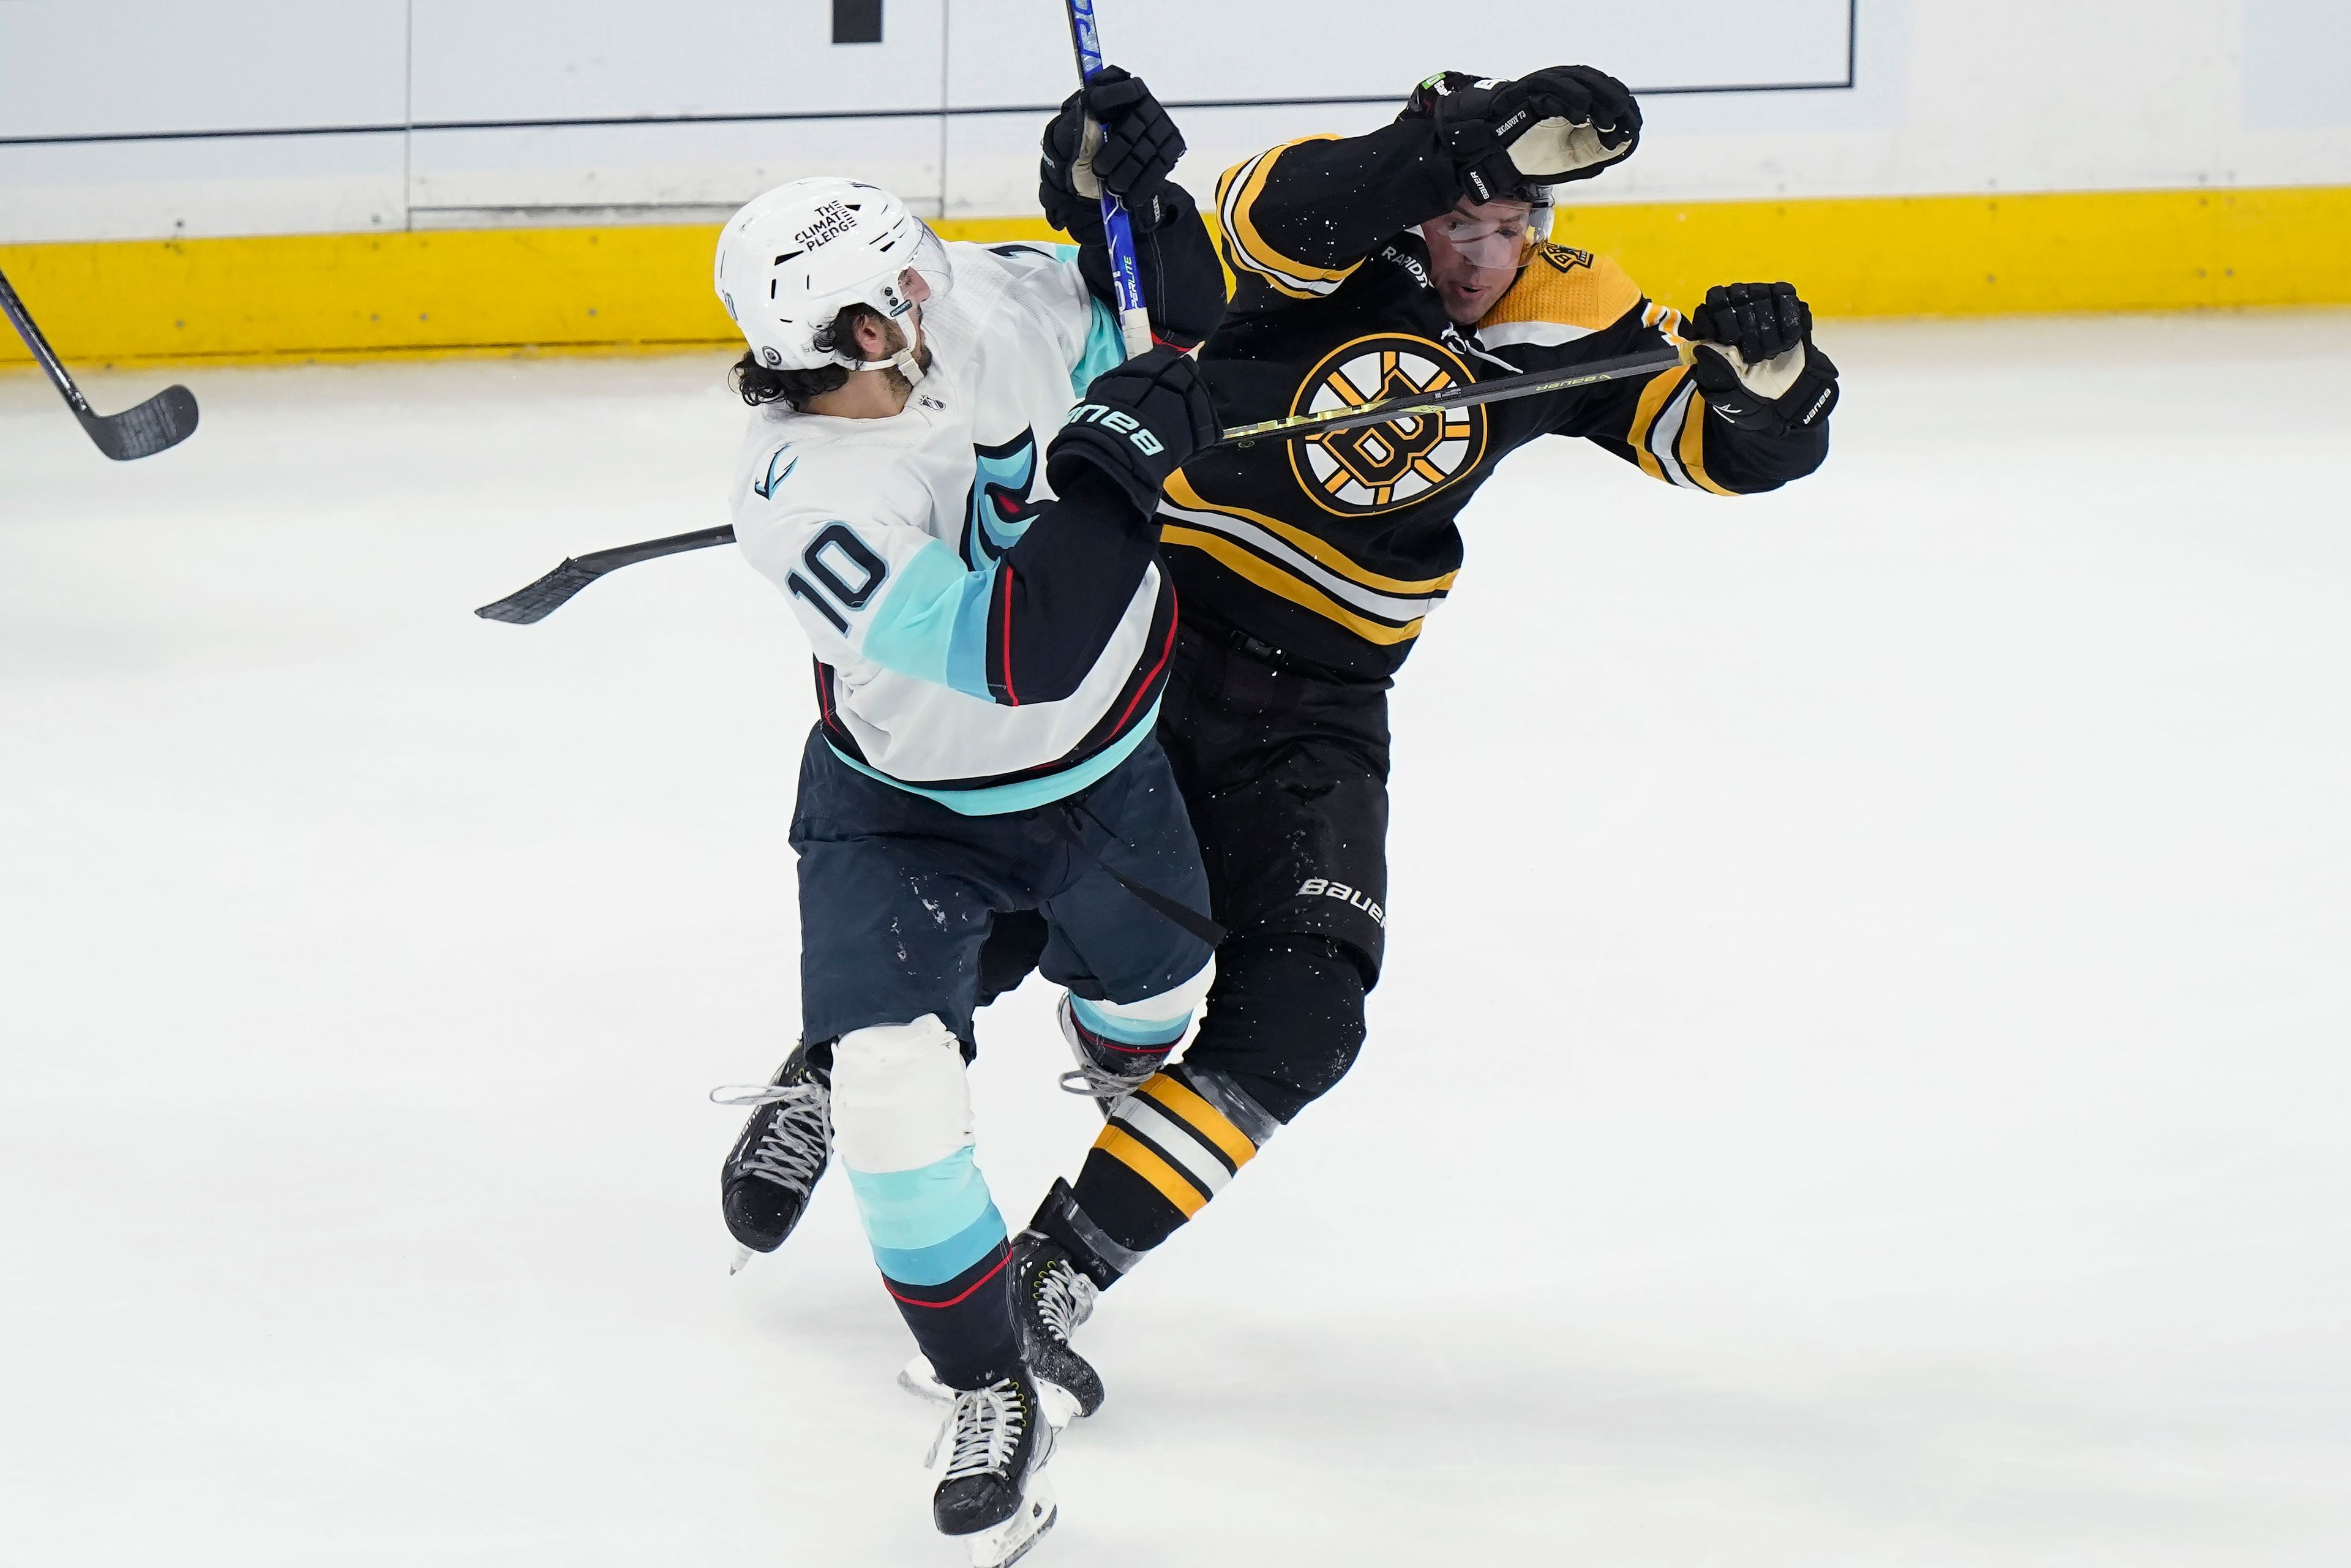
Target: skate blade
[[742, 1255], [1008, 1542], [917, 1379], [1060, 1407]]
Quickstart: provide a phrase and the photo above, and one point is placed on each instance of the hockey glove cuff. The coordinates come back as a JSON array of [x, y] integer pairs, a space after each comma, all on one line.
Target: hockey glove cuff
[[1136, 427], [1757, 364], [1110, 134]]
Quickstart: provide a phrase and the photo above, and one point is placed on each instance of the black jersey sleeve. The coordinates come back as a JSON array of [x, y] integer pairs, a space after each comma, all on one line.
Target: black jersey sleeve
[[1057, 598], [1183, 286], [1570, 305], [1297, 219]]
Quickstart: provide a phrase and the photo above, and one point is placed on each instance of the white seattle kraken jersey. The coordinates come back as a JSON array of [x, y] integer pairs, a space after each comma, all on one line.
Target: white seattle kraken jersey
[[884, 534]]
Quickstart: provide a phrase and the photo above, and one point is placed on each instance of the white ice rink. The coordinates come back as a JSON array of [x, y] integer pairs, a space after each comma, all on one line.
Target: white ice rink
[[1863, 1075]]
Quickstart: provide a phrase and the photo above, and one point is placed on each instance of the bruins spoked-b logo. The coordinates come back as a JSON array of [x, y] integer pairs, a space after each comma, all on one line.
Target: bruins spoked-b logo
[[1379, 468]]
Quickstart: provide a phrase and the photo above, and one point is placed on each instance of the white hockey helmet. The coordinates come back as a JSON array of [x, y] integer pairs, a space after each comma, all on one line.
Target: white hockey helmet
[[792, 258]]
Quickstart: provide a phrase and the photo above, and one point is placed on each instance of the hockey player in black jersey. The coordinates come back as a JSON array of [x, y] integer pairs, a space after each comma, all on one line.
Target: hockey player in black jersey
[[1415, 257]]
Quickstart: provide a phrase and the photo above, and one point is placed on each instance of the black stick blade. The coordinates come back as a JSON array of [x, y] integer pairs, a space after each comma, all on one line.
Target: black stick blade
[[162, 422], [541, 598]]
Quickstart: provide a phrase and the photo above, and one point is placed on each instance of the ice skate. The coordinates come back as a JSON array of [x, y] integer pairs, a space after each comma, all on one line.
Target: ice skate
[[1050, 1298], [1107, 1071], [765, 1184], [993, 1493]]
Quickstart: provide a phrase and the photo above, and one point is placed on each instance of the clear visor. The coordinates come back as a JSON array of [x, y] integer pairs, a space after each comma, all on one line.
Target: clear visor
[[931, 261], [894, 297], [1485, 242]]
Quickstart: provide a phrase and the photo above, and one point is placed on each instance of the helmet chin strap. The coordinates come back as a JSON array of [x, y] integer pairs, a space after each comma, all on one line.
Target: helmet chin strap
[[905, 361]]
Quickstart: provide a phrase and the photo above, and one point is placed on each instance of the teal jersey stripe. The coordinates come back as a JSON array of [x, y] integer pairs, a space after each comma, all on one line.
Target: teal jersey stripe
[[910, 1210], [1105, 347], [937, 1264], [995, 799], [932, 623], [968, 648], [1127, 1032]]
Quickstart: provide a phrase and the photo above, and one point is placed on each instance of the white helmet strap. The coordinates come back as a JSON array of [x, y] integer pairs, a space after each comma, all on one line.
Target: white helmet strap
[[907, 361]]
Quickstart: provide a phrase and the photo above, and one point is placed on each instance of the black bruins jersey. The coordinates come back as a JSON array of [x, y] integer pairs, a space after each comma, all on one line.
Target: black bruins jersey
[[1335, 550]]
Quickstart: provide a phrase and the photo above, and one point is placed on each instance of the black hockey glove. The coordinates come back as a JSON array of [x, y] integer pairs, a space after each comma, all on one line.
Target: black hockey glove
[[1756, 361], [1561, 123], [1112, 132], [1137, 425]]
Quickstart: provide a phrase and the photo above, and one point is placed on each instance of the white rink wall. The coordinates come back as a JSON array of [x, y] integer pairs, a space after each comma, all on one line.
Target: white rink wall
[[145, 119]]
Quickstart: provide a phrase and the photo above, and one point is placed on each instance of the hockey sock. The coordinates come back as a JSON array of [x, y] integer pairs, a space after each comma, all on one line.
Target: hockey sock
[[1124, 1048], [1167, 1148], [1135, 1037], [1284, 1023], [903, 1129]]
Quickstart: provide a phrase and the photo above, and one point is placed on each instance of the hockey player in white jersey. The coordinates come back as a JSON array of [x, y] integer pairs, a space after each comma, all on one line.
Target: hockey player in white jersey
[[975, 563]]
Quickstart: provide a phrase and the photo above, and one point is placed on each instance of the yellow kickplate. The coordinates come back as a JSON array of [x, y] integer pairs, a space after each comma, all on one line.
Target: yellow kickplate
[[640, 288]]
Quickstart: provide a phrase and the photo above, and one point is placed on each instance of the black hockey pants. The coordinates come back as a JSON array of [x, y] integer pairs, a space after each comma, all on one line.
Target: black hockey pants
[[1283, 768]]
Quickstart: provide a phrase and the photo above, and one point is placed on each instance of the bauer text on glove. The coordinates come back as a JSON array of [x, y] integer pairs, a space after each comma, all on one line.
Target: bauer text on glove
[[1135, 426], [1561, 123]]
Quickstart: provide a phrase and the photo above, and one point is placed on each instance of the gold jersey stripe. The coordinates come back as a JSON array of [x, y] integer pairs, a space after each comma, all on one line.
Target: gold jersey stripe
[[1654, 398], [1204, 1120], [1236, 256], [1693, 444], [1388, 609], [1281, 584], [1252, 244], [1179, 490], [1130, 1152]]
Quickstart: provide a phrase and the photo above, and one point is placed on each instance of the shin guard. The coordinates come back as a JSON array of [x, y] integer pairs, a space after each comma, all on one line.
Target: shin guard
[[902, 1130]]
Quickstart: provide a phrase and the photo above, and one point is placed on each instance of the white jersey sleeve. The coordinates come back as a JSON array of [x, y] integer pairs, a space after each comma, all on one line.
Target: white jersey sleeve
[[840, 527], [1044, 280]]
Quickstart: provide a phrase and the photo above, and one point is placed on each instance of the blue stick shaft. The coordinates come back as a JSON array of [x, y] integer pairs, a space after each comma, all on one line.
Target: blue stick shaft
[[1125, 272]]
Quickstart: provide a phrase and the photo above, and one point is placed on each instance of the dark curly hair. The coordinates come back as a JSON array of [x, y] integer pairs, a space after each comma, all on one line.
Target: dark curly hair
[[759, 383]]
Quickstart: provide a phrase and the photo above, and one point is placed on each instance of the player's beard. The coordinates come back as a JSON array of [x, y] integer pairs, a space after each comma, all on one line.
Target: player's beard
[[896, 337]]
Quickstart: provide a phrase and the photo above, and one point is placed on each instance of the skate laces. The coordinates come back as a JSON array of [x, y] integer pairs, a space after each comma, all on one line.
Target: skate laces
[[1089, 1077], [1098, 1082], [987, 1425], [1064, 1297], [792, 1149]]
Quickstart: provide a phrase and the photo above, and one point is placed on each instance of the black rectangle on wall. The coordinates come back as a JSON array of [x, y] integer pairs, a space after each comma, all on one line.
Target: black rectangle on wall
[[856, 21]]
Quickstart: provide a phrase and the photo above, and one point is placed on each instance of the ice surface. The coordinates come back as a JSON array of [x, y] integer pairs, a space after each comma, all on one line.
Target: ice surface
[[1863, 1075]]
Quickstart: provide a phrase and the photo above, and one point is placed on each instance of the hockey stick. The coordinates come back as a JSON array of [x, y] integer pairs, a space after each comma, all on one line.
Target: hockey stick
[[1125, 272], [1469, 395], [163, 421], [550, 592]]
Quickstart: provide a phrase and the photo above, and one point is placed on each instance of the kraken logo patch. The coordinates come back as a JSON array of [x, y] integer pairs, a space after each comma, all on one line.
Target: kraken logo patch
[[997, 509], [1379, 468]]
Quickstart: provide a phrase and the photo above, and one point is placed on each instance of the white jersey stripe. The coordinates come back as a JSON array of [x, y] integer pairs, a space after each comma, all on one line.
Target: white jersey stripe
[[1397, 610], [1536, 334], [1176, 1141], [1665, 436], [1227, 216]]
